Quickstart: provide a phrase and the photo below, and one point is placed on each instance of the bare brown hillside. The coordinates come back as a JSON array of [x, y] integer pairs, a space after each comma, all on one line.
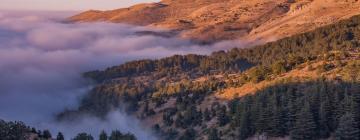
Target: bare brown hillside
[[214, 20]]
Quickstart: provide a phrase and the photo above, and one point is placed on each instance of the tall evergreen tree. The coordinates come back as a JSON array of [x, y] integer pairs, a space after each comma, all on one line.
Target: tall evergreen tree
[[355, 104], [346, 103], [347, 129], [206, 115], [325, 116], [263, 120], [83, 136], [263, 112], [222, 118], [245, 129], [291, 108], [60, 136], [39, 133], [46, 134], [277, 123], [305, 127], [189, 134], [213, 134], [103, 136], [116, 135]]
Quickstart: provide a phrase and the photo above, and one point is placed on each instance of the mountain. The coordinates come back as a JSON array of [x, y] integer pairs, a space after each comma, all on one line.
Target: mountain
[[303, 84], [214, 20], [306, 86]]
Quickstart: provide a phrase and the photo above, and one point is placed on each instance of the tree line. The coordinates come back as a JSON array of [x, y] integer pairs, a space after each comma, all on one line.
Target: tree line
[[15, 130]]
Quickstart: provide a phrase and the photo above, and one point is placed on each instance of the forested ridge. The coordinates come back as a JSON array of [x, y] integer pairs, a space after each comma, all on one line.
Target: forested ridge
[[182, 90], [343, 37], [310, 90]]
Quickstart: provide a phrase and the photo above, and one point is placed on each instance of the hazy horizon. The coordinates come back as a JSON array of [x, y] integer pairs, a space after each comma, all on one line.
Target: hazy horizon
[[67, 5]]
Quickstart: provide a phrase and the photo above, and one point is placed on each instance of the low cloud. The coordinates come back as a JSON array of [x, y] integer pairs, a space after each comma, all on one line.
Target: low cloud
[[115, 120], [41, 61]]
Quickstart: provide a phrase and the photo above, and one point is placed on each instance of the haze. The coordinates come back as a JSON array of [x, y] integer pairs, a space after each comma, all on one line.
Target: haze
[[67, 5], [41, 61]]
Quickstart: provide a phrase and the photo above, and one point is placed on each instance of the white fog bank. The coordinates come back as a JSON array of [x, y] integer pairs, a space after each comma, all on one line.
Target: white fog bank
[[41, 61]]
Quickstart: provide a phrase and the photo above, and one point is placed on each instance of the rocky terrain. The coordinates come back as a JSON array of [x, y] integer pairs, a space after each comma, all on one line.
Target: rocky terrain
[[209, 21]]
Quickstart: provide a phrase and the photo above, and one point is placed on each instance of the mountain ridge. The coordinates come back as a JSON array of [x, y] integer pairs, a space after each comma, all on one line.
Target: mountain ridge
[[210, 21]]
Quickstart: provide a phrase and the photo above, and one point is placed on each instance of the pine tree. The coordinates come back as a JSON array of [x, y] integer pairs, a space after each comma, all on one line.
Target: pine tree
[[222, 118], [337, 102], [277, 123], [355, 104], [189, 134], [262, 123], [206, 115], [60, 136], [325, 116], [146, 108], [213, 134], [116, 135], [39, 133], [315, 103], [191, 115], [129, 136], [33, 130], [245, 130], [292, 109], [103, 135], [46, 134], [347, 129], [83, 136], [305, 127], [346, 103], [179, 122]]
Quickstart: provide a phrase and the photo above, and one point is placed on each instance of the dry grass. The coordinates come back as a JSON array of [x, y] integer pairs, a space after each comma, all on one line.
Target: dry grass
[[250, 88], [251, 21]]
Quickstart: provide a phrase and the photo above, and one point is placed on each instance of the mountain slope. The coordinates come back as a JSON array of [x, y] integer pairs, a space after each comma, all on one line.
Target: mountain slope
[[214, 20], [240, 93]]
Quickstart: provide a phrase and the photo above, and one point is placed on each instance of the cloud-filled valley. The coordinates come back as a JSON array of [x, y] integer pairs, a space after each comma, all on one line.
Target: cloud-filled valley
[[42, 58]]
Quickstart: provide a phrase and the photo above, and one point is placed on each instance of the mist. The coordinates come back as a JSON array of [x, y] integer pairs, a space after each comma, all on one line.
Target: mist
[[42, 58]]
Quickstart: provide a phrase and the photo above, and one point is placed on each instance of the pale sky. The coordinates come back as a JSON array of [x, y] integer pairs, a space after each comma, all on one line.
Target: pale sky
[[67, 5]]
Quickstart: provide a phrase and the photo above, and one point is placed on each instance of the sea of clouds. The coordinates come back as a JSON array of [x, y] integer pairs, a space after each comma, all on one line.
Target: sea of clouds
[[42, 58]]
